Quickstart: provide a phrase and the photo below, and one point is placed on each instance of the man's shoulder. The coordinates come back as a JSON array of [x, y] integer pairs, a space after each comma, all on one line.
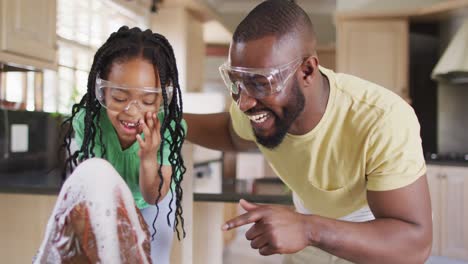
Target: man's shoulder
[[365, 92], [361, 103]]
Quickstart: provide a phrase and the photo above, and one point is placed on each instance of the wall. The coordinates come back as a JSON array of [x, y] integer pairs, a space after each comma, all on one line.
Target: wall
[[452, 115], [185, 33], [325, 29], [195, 55], [453, 118], [323, 23], [379, 5]]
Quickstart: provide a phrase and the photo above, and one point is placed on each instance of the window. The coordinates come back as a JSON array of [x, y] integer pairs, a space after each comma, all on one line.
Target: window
[[82, 26], [19, 89], [15, 79]]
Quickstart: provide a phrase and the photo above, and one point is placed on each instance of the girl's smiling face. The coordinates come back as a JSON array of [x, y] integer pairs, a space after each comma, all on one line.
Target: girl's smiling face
[[134, 73]]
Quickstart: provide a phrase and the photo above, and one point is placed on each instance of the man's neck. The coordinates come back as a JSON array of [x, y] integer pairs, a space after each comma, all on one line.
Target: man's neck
[[316, 100]]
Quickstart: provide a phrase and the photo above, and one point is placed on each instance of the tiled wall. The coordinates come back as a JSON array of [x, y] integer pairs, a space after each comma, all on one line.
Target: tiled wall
[[453, 118], [452, 103]]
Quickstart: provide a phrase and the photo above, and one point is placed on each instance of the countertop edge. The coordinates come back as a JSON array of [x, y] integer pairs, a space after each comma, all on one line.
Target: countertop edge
[[235, 197], [29, 190]]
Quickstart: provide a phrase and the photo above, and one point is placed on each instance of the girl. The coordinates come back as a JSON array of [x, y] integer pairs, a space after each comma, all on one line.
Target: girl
[[131, 116]]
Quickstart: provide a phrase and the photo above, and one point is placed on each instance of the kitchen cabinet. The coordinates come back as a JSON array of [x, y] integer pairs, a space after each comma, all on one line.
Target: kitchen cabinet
[[28, 32], [327, 56], [375, 45], [375, 49], [22, 225], [449, 198]]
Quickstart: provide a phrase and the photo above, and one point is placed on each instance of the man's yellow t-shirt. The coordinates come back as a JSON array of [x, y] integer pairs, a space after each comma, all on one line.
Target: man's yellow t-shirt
[[368, 139]]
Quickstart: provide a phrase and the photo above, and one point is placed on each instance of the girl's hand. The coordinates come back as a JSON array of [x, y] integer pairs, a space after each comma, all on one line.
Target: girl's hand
[[149, 146]]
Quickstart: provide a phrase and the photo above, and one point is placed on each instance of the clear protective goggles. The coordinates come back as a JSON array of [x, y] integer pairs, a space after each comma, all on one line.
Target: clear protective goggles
[[120, 97], [258, 82]]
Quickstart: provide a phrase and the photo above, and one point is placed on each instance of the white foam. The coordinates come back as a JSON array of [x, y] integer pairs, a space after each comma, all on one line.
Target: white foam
[[97, 183]]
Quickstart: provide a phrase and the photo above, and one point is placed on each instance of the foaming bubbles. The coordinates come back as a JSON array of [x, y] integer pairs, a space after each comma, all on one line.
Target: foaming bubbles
[[95, 220]]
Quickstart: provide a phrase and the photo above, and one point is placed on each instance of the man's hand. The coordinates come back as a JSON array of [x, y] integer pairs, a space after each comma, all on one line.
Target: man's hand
[[277, 229], [149, 146]]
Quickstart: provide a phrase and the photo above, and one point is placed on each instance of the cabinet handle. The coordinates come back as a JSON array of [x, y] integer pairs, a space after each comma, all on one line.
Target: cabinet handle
[[444, 176]]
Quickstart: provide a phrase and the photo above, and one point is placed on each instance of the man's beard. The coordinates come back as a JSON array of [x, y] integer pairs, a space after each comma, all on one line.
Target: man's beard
[[292, 111]]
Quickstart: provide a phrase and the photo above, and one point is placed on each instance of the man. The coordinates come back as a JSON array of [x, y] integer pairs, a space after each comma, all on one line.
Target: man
[[349, 149]]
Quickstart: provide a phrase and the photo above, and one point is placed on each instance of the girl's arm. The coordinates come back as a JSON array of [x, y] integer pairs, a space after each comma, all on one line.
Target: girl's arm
[[149, 178]]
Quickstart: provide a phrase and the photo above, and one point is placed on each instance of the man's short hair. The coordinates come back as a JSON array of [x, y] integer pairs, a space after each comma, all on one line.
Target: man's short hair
[[275, 18]]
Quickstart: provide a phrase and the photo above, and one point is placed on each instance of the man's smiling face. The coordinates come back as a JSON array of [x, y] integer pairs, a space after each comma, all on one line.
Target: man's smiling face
[[270, 116]]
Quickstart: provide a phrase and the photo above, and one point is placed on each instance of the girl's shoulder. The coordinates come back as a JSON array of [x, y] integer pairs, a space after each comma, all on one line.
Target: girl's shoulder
[[173, 123], [78, 119]]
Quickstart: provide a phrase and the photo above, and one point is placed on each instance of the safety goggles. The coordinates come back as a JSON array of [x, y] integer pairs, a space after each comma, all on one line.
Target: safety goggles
[[120, 98], [258, 82]]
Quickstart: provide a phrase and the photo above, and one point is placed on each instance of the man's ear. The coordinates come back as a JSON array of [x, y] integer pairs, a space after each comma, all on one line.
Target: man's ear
[[309, 67], [309, 70]]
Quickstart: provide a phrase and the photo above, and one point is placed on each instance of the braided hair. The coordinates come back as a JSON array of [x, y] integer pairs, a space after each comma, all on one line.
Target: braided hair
[[121, 46]]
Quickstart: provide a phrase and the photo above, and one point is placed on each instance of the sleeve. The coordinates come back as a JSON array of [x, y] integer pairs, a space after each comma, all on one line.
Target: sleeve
[[168, 141], [240, 123], [394, 156], [78, 128]]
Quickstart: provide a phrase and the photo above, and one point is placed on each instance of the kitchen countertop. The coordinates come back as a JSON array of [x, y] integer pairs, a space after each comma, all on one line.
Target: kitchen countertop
[[230, 195], [262, 190], [49, 183], [34, 182], [31, 182], [447, 163], [235, 197]]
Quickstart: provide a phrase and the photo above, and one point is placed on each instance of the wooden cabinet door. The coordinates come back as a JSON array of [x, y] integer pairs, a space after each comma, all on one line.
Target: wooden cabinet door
[[327, 57], [454, 201], [23, 223], [28, 28], [376, 50], [434, 179]]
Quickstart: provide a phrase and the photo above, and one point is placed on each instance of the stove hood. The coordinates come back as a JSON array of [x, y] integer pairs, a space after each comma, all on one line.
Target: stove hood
[[452, 67]]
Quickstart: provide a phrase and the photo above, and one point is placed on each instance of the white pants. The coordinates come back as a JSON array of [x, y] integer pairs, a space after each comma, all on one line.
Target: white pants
[[316, 255], [161, 245]]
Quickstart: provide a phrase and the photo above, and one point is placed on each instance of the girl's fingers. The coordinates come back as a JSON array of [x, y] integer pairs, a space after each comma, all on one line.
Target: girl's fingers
[[157, 128], [149, 120], [146, 132], [140, 141], [150, 127], [144, 126]]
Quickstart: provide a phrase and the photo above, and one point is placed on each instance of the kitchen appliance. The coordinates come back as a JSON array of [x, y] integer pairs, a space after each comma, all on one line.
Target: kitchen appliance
[[29, 142], [447, 156], [453, 65]]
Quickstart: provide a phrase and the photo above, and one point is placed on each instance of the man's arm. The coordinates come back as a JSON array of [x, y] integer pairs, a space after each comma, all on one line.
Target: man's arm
[[401, 232], [215, 131]]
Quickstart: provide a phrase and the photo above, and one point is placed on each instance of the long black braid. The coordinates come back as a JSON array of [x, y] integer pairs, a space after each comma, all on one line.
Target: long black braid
[[121, 46]]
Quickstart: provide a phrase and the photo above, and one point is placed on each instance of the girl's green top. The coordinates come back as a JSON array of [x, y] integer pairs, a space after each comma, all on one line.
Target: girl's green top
[[126, 162]]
